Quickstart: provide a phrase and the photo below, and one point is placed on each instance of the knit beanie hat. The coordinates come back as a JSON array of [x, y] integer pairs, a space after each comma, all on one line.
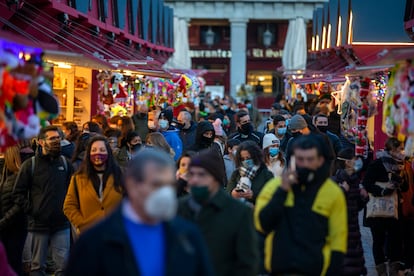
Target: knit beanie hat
[[269, 140], [209, 160], [297, 122], [218, 129]]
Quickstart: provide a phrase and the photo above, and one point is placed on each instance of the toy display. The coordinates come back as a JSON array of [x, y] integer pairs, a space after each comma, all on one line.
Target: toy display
[[26, 98]]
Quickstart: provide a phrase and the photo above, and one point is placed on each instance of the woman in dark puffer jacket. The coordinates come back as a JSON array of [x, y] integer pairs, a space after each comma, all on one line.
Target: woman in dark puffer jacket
[[347, 177], [13, 229]]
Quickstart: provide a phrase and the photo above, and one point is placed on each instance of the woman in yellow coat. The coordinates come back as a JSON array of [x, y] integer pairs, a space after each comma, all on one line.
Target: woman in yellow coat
[[96, 189]]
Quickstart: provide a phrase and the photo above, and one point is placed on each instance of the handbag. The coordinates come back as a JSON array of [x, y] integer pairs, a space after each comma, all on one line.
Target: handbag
[[383, 206]]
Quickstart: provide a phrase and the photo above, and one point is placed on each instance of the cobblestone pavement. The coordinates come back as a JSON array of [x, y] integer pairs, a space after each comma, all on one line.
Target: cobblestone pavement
[[367, 245]]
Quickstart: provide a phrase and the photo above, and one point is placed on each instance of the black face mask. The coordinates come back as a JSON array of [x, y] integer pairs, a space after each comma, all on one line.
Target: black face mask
[[296, 134], [207, 141], [323, 129], [179, 126], [135, 147], [246, 128], [53, 149], [305, 175]]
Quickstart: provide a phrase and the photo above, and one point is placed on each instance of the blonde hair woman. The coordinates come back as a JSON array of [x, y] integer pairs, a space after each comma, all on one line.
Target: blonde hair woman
[[156, 139], [13, 228]]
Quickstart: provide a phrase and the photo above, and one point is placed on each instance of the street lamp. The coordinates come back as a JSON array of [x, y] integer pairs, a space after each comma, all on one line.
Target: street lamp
[[210, 35], [267, 37]]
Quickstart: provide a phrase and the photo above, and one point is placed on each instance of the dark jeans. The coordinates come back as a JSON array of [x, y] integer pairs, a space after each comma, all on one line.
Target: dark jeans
[[386, 240], [13, 242], [408, 242]]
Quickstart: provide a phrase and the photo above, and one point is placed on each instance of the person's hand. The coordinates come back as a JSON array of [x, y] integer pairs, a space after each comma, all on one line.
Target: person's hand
[[235, 193], [363, 193], [345, 186], [247, 194], [289, 178]]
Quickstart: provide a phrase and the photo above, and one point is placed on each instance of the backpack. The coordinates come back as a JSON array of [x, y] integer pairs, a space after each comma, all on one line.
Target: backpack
[[65, 164], [33, 160]]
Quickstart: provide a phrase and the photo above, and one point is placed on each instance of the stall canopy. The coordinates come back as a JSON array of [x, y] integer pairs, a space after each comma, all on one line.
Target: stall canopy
[[77, 42], [294, 53], [355, 35]]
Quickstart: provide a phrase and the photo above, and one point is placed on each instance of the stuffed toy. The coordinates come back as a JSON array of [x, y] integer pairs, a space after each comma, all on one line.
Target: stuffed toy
[[117, 89]]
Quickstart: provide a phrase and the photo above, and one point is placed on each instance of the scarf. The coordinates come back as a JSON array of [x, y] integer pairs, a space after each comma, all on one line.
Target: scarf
[[250, 172], [392, 164]]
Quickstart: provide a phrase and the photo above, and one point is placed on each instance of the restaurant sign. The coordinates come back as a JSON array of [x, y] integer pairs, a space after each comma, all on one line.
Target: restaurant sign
[[253, 53]]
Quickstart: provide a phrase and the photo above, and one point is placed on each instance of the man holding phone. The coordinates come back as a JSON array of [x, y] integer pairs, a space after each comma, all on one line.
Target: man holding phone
[[308, 213]]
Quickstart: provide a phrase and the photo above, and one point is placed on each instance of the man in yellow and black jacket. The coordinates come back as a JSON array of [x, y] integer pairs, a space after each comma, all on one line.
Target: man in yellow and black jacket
[[304, 215]]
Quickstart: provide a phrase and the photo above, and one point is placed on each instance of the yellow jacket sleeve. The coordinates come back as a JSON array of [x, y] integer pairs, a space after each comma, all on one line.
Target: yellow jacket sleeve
[[265, 196]]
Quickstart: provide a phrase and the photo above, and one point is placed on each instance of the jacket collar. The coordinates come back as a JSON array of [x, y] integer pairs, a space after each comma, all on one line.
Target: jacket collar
[[115, 233], [219, 199]]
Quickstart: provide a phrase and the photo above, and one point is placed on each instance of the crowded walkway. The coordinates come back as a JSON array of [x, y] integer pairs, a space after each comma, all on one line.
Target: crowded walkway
[[203, 191]]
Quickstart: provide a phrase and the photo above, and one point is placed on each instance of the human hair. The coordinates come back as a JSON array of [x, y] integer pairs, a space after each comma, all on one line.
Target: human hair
[[188, 154], [319, 115], [277, 119], [114, 120], [240, 114], [101, 120], [127, 125], [12, 160], [392, 143], [186, 114], [137, 166], [253, 149], [112, 132], [112, 167], [343, 155], [279, 157], [311, 141], [73, 129], [232, 142], [43, 131], [131, 135], [92, 127], [157, 140]]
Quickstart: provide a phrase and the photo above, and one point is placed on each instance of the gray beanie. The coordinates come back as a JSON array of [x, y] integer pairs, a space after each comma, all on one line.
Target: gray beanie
[[297, 122]]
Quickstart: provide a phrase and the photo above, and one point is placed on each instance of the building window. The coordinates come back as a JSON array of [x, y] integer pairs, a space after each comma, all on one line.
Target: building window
[[265, 82], [115, 18]]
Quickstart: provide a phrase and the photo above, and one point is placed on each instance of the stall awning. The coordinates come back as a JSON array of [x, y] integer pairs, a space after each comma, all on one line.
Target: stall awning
[[83, 60]]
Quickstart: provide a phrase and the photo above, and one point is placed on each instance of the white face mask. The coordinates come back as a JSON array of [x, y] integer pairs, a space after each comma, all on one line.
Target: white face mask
[[151, 125], [163, 123], [162, 204]]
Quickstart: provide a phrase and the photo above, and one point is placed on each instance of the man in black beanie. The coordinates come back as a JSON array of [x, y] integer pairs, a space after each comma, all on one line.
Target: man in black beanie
[[227, 224]]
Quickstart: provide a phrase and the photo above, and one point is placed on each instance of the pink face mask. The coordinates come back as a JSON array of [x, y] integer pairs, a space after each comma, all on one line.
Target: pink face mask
[[99, 158]]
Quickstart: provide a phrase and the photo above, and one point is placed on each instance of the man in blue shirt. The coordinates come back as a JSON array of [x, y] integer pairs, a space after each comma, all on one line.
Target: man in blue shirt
[[143, 237]]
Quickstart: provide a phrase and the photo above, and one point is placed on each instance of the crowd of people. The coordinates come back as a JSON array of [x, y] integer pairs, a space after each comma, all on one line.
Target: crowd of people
[[205, 191]]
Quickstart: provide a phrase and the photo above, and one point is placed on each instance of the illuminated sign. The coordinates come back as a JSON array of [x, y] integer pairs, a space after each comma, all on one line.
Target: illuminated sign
[[253, 53], [210, 53]]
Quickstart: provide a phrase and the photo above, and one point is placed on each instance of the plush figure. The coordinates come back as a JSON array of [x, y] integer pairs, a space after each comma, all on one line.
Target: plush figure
[[117, 88]]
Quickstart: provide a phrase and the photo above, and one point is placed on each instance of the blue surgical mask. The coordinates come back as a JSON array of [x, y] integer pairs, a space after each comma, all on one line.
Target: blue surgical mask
[[358, 164], [287, 122], [207, 110], [273, 152], [163, 123], [281, 131], [249, 106], [248, 163], [224, 107]]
